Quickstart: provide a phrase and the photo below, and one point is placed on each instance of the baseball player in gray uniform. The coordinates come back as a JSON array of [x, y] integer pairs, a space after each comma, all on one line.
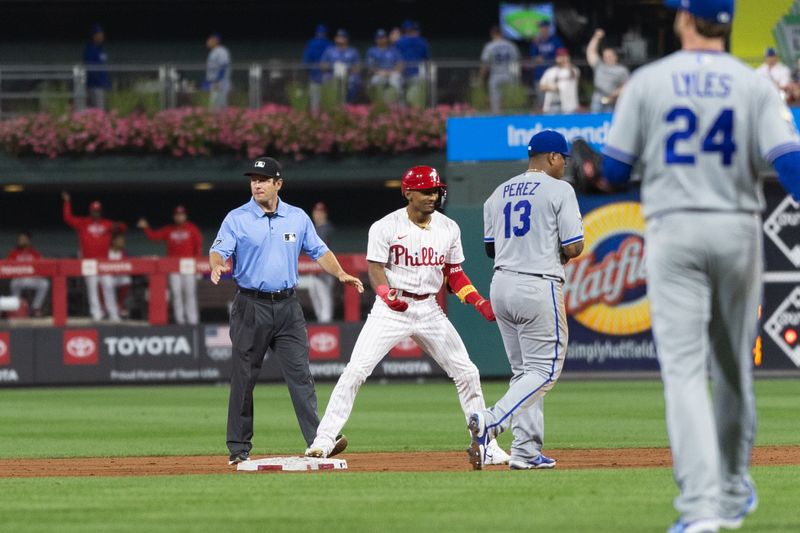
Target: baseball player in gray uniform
[[500, 58], [532, 227], [702, 123]]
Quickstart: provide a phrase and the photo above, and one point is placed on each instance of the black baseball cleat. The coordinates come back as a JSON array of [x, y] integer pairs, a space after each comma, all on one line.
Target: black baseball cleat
[[238, 457], [339, 446]]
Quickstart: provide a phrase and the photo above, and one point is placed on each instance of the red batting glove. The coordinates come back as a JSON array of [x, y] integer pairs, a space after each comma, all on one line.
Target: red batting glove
[[484, 307], [389, 296]]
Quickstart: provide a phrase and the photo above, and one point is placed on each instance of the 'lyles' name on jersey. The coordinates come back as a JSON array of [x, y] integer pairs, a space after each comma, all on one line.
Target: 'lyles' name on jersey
[[702, 84], [414, 256]]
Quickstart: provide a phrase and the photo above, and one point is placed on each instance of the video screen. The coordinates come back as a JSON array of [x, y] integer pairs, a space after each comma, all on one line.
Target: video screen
[[521, 21]]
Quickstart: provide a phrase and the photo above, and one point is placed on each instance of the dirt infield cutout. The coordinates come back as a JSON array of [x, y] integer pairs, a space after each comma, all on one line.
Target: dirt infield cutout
[[361, 462]]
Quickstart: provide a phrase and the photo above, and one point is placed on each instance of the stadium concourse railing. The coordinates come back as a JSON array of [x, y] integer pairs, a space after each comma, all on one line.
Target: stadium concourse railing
[[156, 270], [152, 87]]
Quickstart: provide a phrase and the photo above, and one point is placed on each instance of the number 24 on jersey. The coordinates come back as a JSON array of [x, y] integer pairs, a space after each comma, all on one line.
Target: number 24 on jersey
[[718, 138]]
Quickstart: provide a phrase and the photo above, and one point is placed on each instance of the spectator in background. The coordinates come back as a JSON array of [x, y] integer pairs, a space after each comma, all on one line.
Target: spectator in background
[[385, 65], [121, 284], [559, 84], [94, 239], [413, 48], [95, 59], [183, 239], [343, 62], [218, 72], [609, 75], [24, 251], [774, 70], [394, 36], [320, 286], [543, 49], [312, 57], [499, 59]]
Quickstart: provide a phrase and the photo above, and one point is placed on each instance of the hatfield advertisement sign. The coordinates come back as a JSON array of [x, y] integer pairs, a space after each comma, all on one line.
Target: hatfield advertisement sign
[[605, 293]]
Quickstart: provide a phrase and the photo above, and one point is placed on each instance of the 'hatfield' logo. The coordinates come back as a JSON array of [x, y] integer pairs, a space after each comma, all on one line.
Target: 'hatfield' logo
[[604, 289], [427, 256], [80, 347], [5, 348], [323, 342], [589, 283], [152, 346]]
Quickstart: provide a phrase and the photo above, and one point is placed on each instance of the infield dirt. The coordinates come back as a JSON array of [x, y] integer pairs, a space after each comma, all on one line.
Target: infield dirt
[[362, 462]]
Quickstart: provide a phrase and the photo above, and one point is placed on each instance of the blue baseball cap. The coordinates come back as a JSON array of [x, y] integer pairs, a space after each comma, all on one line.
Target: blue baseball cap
[[342, 33], [409, 25], [547, 141], [381, 34], [770, 52], [711, 10], [97, 28], [321, 29]]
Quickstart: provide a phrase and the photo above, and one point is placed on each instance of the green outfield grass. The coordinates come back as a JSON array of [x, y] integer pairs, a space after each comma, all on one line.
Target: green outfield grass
[[190, 420], [586, 501], [74, 422]]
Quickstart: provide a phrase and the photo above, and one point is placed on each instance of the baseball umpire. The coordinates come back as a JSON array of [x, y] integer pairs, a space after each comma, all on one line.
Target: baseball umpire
[[703, 123], [532, 227], [265, 237]]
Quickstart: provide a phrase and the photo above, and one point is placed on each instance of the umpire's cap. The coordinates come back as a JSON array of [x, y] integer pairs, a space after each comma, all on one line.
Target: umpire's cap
[[720, 11], [548, 141], [264, 166]]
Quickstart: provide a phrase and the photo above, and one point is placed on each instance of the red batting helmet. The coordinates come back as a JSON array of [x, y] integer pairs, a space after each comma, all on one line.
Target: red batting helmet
[[423, 177]]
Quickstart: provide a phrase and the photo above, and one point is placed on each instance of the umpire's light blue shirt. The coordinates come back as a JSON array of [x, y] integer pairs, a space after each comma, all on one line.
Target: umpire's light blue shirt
[[265, 249]]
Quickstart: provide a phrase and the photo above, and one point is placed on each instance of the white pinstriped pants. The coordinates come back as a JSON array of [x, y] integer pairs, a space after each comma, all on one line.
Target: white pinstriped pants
[[425, 322]]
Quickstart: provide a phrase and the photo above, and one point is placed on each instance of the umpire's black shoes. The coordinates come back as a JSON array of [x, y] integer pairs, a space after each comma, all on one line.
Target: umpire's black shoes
[[238, 457]]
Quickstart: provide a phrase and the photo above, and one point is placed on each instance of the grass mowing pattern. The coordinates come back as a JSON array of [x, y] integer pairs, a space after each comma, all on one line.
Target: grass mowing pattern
[[190, 420], [598, 501]]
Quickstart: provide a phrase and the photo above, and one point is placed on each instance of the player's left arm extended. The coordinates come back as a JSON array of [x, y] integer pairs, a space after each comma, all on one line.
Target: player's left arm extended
[[459, 283]]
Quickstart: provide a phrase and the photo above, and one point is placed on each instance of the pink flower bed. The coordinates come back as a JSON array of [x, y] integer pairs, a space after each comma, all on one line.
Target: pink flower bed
[[188, 132]]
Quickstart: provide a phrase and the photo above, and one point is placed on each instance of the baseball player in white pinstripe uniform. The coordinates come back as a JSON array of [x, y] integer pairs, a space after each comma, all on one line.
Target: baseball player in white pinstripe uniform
[[532, 228], [410, 253]]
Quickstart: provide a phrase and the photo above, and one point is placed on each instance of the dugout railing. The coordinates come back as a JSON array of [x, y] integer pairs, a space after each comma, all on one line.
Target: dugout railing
[[156, 270]]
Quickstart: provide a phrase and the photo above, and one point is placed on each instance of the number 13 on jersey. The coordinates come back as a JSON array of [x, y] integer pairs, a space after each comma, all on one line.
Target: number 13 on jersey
[[521, 213]]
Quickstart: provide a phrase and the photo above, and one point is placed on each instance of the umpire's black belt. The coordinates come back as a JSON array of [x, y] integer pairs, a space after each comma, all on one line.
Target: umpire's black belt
[[548, 277], [271, 296]]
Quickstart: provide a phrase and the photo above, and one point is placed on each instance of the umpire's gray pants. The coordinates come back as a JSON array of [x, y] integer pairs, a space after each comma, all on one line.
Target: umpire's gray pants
[[533, 323], [704, 285], [258, 325]]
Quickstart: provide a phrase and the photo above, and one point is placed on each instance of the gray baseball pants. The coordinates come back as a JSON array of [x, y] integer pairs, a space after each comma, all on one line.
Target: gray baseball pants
[[258, 325], [533, 323], [704, 285]]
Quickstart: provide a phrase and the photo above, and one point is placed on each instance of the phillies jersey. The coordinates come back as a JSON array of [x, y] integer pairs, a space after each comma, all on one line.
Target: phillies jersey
[[182, 240], [529, 218], [414, 257], [703, 123], [24, 254], [94, 236]]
